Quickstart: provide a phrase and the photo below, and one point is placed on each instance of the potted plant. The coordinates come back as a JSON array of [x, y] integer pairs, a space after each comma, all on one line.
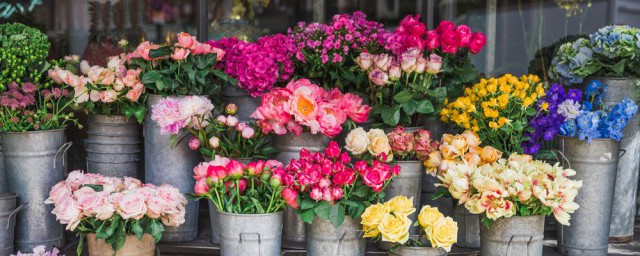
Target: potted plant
[[114, 215], [113, 98], [185, 68], [249, 202], [304, 115], [33, 117], [390, 222], [589, 143], [330, 193]]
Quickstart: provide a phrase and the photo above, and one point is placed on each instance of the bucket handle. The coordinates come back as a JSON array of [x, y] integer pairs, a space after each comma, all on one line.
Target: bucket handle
[[63, 149], [564, 158], [622, 152], [259, 241], [14, 214], [358, 233], [527, 238]]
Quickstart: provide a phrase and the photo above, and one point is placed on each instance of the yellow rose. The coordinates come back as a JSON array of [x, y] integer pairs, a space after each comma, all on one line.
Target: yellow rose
[[446, 138], [373, 215], [449, 152], [370, 231], [395, 228], [429, 215], [433, 162], [357, 141], [472, 138], [443, 233], [400, 205], [489, 154], [379, 143], [460, 143]]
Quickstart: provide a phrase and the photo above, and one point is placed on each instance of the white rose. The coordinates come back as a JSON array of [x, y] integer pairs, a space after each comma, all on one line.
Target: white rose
[[357, 141]]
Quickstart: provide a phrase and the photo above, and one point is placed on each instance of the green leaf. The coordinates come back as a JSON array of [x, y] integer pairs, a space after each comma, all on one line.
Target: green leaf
[[156, 230], [425, 107], [160, 52], [80, 247], [307, 215], [258, 205], [121, 237], [137, 229], [362, 191], [336, 215], [151, 76], [391, 115], [487, 222], [322, 209], [307, 203], [409, 106], [96, 188], [403, 96]]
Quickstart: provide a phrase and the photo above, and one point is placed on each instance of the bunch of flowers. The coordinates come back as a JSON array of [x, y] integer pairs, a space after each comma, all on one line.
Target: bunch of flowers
[[325, 52], [399, 143], [31, 106], [41, 250], [254, 188], [518, 186], [174, 114], [551, 113], [323, 182], [460, 148], [258, 66], [403, 88], [23, 54], [111, 90], [611, 51], [498, 109], [186, 68], [114, 208], [587, 123], [303, 103], [390, 222]]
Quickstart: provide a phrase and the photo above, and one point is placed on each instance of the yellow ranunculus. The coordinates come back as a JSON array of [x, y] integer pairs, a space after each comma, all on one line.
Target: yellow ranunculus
[[429, 215], [545, 106], [492, 87], [400, 205], [527, 101], [494, 125], [443, 233], [395, 228], [372, 216]]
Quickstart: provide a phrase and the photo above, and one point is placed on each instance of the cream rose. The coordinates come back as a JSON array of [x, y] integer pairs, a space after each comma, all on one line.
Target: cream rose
[[460, 143], [132, 206], [401, 205], [395, 228], [443, 233], [433, 162], [449, 152], [379, 143], [429, 215], [472, 138], [357, 141]]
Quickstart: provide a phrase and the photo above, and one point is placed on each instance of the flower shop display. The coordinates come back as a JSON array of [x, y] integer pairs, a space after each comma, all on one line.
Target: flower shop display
[[40, 251], [9, 210], [330, 193], [121, 213], [249, 200], [499, 110], [390, 222], [612, 51]]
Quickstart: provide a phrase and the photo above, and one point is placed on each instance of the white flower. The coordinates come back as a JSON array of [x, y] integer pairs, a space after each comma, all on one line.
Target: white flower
[[357, 141], [569, 109]]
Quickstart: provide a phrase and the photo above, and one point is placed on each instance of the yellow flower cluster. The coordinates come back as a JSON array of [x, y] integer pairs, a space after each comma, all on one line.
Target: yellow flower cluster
[[499, 189], [493, 102], [391, 223], [460, 148]]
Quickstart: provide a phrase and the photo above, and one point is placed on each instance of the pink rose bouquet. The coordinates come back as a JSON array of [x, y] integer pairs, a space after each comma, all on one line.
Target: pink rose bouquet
[[303, 103], [319, 183], [110, 90], [114, 208], [185, 68], [224, 135], [254, 188]]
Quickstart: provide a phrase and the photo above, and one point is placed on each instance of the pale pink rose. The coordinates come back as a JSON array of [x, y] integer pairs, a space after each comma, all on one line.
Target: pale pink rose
[[378, 77], [174, 217], [58, 192], [219, 52], [132, 183], [132, 206], [421, 65], [84, 67], [75, 179], [382, 61], [232, 121], [434, 64], [365, 60], [81, 94], [132, 77], [114, 62], [142, 51], [94, 96], [139, 87], [180, 54], [115, 198], [156, 206], [73, 80], [199, 48], [394, 72], [408, 59], [118, 85], [185, 40], [108, 96], [68, 212], [95, 73], [91, 178], [132, 95], [86, 197], [53, 74], [171, 194], [104, 209]]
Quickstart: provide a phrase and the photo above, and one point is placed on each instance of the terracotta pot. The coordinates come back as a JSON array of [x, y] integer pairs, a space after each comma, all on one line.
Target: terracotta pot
[[132, 246]]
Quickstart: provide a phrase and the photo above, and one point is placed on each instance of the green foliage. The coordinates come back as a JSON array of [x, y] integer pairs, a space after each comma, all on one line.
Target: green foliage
[[115, 230], [23, 53]]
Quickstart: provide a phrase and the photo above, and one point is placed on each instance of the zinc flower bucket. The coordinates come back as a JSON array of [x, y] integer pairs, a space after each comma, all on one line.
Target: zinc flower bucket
[[595, 164], [34, 162], [113, 145], [132, 246], [624, 199], [8, 213], [250, 234], [174, 166], [236, 95], [417, 251], [323, 239], [468, 228], [513, 236], [3, 179]]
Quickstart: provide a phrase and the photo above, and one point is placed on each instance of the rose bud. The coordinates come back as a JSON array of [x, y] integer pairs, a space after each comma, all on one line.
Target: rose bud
[[231, 109], [235, 169], [194, 143], [291, 197], [260, 166], [221, 120], [395, 170], [214, 142], [252, 169]]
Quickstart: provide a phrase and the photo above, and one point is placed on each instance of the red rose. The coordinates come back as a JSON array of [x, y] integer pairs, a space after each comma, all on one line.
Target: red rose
[[412, 25], [449, 41], [433, 40], [445, 26], [477, 42], [464, 35]]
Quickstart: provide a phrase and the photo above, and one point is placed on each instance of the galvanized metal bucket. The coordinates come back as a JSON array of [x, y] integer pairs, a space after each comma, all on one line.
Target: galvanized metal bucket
[[174, 166], [445, 204], [35, 162], [8, 213], [468, 228], [624, 199], [250, 234], [246, 104], [595, 164], [324, 239], [3, 178], [289, 146], [513, 236], [213, 211], [417, 251], [408, 184], [113, 145]]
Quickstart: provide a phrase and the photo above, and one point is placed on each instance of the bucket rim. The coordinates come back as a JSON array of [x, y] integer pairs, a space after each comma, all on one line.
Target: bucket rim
[[612, 78], [598, 139], [36, 132], [8, 195], [249, 215]]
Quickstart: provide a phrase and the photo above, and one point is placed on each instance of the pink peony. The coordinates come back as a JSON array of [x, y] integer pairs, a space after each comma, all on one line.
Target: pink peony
[[331, 119], [194, 143], [290, 196], [166, 114], [201, 187], [201, 171]]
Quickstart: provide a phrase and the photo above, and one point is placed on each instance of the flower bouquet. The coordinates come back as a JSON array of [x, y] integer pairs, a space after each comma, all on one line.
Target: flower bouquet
[[390, 222], [498, 110], [112, 210], [611, 51], [461, 148]]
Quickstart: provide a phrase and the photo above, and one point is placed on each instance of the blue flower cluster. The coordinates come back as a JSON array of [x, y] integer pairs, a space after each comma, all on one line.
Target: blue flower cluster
[[573, 62], [592, 124], [615, 41], [546, 123]]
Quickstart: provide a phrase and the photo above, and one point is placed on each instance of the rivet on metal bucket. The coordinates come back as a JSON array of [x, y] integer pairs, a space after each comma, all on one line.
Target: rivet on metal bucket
[[113, 145]]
